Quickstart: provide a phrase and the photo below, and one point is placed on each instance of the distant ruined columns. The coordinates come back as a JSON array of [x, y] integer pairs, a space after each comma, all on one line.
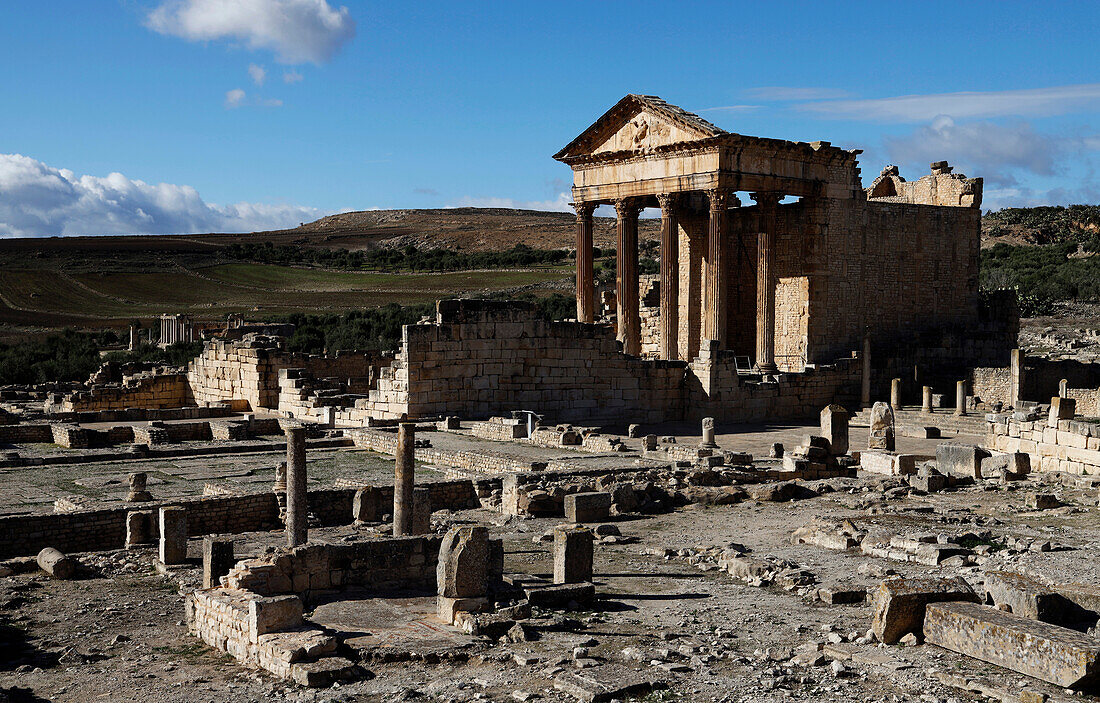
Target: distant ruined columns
[[626, 278], [586, 286], [297, 508], [715, 299]]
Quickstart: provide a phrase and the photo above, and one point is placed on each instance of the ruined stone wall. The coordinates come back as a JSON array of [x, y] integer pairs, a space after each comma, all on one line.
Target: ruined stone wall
[[649, 312], [151, 390], [482, 359], [891, 269], [248, 370], [993, 384], [385, 442], [1072, 447], [1041, 378], [23, 434]]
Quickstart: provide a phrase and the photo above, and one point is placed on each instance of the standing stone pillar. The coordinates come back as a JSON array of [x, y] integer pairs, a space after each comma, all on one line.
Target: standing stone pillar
[[626, 279], [422, 511], [139, 528], [403, 481], [1063, 388], [895, 393], [217, 559], [670, 278], [765, 281], [865, 390], [279, 487], [572, 554], [173, 535], [716, 285], [708, 434], [926, 400], [462, 572], [960, 398], [834, 427], [586, 287], [297, 506]]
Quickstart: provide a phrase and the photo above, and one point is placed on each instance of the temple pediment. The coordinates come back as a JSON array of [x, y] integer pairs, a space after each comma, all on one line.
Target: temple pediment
[[639, 123]]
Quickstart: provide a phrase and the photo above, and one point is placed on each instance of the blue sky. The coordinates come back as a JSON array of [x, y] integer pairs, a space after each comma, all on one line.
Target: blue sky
[[200, 115]]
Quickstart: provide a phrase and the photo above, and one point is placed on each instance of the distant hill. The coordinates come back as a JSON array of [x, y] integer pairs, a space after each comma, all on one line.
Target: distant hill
[[1043, 225]]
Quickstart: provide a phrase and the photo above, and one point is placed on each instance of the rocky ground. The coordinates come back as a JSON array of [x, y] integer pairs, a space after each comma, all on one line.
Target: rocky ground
[[666, 611], [1070, 331]]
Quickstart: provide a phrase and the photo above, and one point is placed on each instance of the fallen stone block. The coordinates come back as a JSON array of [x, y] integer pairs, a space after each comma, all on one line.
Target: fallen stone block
[[604, 683], [960, 459], [898, 604], [561, 595], [1047, 652], [587, 507], [842, 595], [324, 672], [1043, 501], [889, 463], [1023, 596]]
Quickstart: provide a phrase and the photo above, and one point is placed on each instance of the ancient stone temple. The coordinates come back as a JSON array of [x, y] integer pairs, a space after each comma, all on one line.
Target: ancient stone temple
[[770, 249]]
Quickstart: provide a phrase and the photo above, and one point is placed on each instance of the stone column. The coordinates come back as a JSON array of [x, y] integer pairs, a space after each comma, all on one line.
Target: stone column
[[1063, 388], [586, 287], [572, 554], [765, 281], [708, 434], [926, 400], [895, 393], [1016, 373], [670, 278], [865, 391], [403, 481], [626, 268], [173, 535], [217, 559], [960, 398], [297, 507], [716, 285]]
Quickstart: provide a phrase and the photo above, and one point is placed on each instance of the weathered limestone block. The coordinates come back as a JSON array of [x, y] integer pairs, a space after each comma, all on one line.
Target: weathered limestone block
[[572, 554], [173, 535], [960, 459], [1047, 652], [217, 559], [366, 505], [1061, 409], [898, 604], [56, 564], [463, 567], [139, 528], [890, 464], [588, 507], [882, 428], [834, 427], [273, 614], [422, 511]]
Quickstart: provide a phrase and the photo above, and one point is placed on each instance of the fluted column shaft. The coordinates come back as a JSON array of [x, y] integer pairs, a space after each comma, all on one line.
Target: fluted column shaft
[[716, 286], [765, 281], [586, 287], [670, 278], [626, 269]]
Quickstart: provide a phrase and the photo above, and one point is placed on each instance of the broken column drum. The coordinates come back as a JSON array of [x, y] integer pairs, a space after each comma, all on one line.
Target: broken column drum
[[895, 393], [404, 480], [960, 398], [882, 427], [708, 433], [926, 400], [297, 506]]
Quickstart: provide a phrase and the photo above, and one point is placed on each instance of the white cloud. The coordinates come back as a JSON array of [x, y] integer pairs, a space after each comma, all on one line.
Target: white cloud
[[38, 200], [988, 148], [292, 77], [1038, 102], [559, 204], [234, 98], [298, 31], [781, 93], [257, 73]]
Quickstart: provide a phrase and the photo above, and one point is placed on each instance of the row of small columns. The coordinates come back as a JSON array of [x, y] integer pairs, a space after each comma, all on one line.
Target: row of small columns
[[717, 273]]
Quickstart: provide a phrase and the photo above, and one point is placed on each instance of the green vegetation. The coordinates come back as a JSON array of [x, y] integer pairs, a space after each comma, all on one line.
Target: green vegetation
[[73, 356], [1048, 225], [408, 258], [1041, 275]]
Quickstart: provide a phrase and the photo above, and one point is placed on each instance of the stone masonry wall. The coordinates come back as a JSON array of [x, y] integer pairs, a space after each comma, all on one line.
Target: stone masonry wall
[[1072, 447], [167, 390]]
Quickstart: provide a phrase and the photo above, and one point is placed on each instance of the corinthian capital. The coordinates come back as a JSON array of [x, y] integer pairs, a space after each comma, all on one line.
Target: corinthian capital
[[719, 199], [584, 210], [667, 201], [627, 207]]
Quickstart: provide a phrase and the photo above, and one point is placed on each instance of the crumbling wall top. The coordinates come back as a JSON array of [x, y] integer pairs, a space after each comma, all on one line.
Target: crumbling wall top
[[940, 187]]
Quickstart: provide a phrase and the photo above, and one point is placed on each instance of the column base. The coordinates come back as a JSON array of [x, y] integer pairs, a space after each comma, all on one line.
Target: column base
[[768, 367]]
